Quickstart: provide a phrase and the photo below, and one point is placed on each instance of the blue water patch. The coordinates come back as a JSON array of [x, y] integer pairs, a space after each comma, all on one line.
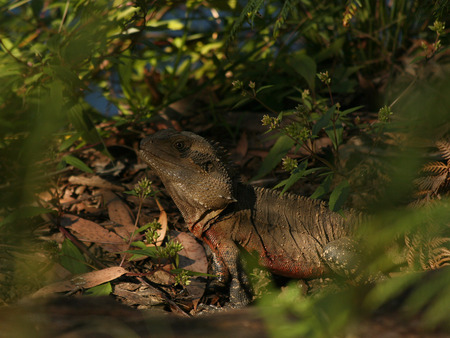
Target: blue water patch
[[98, 101]]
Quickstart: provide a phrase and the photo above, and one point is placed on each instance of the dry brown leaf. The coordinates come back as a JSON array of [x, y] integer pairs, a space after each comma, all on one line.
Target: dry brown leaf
[[161, 277], [67, 196], [58, 272], [88, 231], [192, 258], [94, 181], [85, 281], [163, 221], [119, 213]]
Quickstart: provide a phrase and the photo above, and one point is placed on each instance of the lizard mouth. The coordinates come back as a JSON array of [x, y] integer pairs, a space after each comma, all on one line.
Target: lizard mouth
[[156, 162], [145, 156]]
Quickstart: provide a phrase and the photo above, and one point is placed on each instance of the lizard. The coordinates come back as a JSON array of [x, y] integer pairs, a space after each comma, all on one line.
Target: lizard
[[292, 236]]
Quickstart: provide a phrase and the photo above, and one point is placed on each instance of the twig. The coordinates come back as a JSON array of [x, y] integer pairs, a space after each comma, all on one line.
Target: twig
[[12, 55], [135, 228], [66, 9], [172, 304], [403, 93]]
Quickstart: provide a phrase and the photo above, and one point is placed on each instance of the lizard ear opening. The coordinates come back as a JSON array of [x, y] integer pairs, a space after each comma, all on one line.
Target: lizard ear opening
[[208, 166]]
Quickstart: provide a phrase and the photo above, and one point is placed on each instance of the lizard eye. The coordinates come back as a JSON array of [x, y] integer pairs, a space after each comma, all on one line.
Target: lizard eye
[[179, 145]]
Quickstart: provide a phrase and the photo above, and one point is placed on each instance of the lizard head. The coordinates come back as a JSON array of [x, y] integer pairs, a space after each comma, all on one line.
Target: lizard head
[[194, 171]]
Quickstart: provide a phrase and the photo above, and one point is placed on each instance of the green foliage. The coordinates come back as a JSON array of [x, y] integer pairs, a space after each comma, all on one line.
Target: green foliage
[[139, 59], [150, 247], [278, 151], [100, 290], [76, 162], [384, 114], [310, 120], [169, 250], [182, 278], [151, 235], [290, 313], [24, 212], [311, 317], [72, 259], [142, 189], [339, 196], [314, 67]]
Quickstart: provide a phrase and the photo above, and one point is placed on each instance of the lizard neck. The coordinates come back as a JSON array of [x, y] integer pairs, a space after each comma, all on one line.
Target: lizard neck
[[198, 227], [197, 216]]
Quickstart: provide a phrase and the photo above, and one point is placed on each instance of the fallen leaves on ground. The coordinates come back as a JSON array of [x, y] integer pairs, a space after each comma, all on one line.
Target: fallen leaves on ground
[[85, 281]]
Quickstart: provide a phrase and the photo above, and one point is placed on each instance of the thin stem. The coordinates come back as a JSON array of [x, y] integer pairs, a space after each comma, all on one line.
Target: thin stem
[[141, 198], [403, 93], [331, 95], [312, 154], [263, 104], [11, 54], [66, 9]]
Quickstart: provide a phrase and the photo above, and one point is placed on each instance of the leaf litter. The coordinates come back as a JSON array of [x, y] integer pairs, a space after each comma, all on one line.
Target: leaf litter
[[96, 215]]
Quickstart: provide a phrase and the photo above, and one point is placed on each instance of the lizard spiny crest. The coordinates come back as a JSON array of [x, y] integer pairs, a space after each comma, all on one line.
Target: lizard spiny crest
[[192, 170]]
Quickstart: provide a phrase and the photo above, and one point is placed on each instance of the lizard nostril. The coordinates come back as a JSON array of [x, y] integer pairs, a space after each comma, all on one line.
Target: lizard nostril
[[144, 142]]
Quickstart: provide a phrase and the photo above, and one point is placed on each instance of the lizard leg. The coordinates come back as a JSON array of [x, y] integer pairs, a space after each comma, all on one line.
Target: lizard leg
[[221, 271], [228, 267], [345, 259], [240, 288], [342, 257]]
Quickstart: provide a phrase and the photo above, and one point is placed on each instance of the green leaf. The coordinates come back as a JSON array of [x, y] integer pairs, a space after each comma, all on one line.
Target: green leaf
[[72, 259], [251, 8], [305, 67], [335, 134], [278, 151], [335, 48], [148, 251], [24, 212], [185, 70], [324, 121], [436, 313], [131, 192], [263, 88], [339, 196], [241, 102], [100, 290], [350, 110], [297, 174], [125, 70], [389, 289], [66, 75], [139, 244], [324, 188], [83, 124], [36, 6], [192, 273], [144, 227], [10, 69], [177, 260], [77, 163], [34, 78], [69, 142]]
